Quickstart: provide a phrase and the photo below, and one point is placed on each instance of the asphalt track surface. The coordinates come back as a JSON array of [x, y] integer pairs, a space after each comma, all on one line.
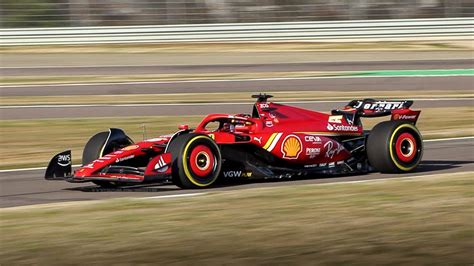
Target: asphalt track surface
[[317, 84], [237, 68], [29, 188], [28, 112]]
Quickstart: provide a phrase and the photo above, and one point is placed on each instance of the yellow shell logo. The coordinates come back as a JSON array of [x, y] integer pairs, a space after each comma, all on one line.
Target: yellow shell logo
[[291, 147]]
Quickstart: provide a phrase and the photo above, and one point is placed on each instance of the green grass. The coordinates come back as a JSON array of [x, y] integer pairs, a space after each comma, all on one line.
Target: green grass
[[422, 221], [34, 142]]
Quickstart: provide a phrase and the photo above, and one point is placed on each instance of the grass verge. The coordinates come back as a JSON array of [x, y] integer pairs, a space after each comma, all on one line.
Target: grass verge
[[422, 221], [34, 142], [243, 47], [225, 97], [98, 79]]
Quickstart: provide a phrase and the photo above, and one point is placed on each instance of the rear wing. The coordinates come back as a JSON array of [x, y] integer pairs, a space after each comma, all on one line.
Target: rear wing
[[399, 110]]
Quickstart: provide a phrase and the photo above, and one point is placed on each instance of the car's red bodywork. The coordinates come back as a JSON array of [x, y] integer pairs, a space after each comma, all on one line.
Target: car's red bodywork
[[292, 137]]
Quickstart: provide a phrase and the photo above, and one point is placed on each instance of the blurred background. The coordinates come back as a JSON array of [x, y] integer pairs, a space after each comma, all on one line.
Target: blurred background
[[60, 13], [72, 68]]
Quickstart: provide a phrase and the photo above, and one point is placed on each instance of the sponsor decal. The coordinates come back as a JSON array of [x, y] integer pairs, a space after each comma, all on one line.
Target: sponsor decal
[[335, 119], [64, 160], [124, 158], [333, 148], [313, 152], [331, 165], [212, 136], [259, 140], [117, 152], [269, 123], [323, 164], [291, 147], [161, 166], [264, 106], [312, 139], [404, 117], [310, 165], [237, 173], [342, 128], [131, 147], [380, 105]]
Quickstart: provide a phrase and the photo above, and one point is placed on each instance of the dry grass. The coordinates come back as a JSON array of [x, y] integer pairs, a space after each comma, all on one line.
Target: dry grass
[[14, 80], [34, 142], [244, 47], [226, 97], [422, 221]]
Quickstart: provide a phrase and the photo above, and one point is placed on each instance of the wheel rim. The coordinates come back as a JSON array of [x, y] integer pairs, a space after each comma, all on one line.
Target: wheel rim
[[406, 147], [202, 161]]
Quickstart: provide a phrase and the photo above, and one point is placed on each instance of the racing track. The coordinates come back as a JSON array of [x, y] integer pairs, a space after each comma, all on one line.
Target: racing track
[[334, 84], [29, 187], [30, 112]]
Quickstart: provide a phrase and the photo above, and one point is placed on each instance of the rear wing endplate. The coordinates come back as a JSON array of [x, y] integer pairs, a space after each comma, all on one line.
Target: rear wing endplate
[[399, 110]]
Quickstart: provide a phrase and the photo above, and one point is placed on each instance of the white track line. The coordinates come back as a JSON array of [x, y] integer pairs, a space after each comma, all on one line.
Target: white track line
[[223, 80], [391, 178], [30, 169], [447, 139], [175, 196], [207, 104], [77, 165]]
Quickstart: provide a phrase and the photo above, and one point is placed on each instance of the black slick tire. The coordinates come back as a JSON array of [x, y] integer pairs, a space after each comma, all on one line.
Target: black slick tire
[[196, 161], [394, 147], [92, 151], [93, 147]]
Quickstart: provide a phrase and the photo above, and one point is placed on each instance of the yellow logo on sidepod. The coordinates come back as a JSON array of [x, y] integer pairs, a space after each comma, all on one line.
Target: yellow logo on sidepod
[[291, 147]]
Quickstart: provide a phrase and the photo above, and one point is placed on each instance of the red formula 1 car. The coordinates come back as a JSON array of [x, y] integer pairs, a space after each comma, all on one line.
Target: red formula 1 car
[[275, 141]]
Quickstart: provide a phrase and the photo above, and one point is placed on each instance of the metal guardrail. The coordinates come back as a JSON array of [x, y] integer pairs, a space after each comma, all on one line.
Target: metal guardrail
[[363, 30]]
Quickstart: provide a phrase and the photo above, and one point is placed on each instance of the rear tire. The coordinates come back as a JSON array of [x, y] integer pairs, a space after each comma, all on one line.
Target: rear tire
[[196, 161], [394, 147]]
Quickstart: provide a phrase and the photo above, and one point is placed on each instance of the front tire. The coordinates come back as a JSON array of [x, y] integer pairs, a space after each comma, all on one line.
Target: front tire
[[196, 161], [94, 149], [394, 147]]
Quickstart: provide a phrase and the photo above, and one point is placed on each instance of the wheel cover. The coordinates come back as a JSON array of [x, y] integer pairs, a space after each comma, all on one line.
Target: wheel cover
[[201, 161], [405, 147]]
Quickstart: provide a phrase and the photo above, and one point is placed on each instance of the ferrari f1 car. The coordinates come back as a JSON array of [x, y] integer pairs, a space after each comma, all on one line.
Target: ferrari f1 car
[[274, 141]]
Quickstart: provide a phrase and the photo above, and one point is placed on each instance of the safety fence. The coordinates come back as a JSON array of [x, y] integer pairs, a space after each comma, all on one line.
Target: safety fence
[[361, 30]]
